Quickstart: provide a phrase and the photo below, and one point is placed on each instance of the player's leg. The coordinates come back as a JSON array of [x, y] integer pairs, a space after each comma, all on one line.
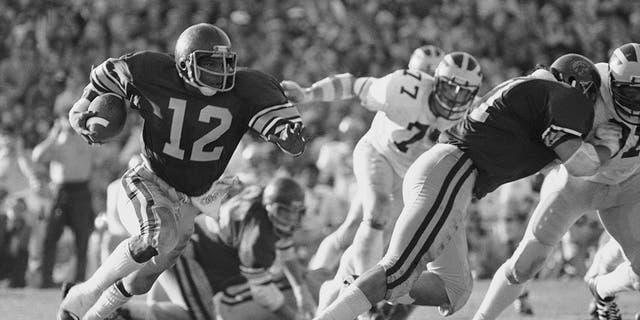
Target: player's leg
[[562, 201], [622, 222], [448, 282], [140, 281], [437, 191], [375, 178], [81, 220], [606, 259], [149, 206], [328, 254]]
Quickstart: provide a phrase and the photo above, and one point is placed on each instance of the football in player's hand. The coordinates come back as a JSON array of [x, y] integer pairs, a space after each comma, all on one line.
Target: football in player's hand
[[109, 119]]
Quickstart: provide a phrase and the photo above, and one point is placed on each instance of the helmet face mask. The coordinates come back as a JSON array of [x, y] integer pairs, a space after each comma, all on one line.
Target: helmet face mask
[[213, 69], [204, 59], [285, 217], [458, 78], [624, 81], [454, 98]]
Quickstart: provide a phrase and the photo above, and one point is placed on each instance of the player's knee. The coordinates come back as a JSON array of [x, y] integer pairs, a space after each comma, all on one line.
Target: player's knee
[[526, 261], [142, 249]]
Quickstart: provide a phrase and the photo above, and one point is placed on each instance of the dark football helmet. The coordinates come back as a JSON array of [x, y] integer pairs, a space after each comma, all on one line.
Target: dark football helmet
[[624, 81], [458, 78], [283, 199], [579, 72], [204, 58]]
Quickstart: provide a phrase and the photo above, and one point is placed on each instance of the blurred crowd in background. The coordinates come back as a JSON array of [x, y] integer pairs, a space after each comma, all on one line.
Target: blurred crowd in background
[[48, 47]]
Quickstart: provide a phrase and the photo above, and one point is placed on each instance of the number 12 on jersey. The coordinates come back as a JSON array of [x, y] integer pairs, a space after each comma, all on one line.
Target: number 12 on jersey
[[173, 149]]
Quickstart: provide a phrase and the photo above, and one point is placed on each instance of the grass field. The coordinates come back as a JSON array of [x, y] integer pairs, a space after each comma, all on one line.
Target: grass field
[[551, 300]]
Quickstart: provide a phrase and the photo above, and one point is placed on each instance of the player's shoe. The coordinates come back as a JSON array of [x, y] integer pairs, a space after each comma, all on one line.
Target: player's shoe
[[523, 305], [606, 308], [74, 302]]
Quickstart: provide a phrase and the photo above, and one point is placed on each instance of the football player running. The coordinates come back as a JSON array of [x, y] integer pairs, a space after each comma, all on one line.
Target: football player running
[[413, 108], [196, 107], [425, 58], [518, 128], [612, 190]]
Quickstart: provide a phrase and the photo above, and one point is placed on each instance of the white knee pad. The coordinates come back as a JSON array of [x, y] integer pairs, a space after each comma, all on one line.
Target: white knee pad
[[527, 260]]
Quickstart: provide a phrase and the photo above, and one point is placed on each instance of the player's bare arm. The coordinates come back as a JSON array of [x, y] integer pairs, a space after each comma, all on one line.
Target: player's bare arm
[[583, 158]]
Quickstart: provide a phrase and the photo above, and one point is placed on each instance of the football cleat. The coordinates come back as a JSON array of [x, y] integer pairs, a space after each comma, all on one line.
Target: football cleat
[[606, 308], [64, 314], [396, 311]]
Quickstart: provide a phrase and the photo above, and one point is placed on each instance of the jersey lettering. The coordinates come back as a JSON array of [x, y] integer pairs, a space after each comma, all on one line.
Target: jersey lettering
[[421, 131], [172, 148], [417, 76], [413, 94]]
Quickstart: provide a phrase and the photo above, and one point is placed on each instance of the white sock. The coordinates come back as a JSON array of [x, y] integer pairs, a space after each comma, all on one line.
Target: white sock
[[368, 246], [499, 296], [109, 301], [351, 303], [618, 280], [117, 266]]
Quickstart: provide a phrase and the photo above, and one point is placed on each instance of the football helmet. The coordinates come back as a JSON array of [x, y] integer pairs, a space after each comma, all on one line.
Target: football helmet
[[624, 81], [579, 72], [458, 77], [204, 59], [426, 58], [283, 198]]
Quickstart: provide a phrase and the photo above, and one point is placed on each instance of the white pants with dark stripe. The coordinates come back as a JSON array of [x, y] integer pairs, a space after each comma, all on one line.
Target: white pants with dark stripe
[[437, 190], [150, 208]]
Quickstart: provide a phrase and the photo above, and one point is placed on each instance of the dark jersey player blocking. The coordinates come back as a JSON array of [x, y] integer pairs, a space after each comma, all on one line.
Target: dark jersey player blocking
[[515, 130]]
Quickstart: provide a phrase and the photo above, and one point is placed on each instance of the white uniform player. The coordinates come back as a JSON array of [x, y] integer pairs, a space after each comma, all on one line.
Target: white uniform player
[[613, 191], [425, 58], [413, 108]]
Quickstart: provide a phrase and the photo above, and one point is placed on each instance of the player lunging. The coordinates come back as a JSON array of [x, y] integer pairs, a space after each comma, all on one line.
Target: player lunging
[[613, 191], [413, 108], [196, 106], [518, 128], [425, 58]]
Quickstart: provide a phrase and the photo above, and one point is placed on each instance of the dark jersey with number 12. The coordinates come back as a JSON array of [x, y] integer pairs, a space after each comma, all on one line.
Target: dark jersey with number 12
[[513, 129], [188, 137]]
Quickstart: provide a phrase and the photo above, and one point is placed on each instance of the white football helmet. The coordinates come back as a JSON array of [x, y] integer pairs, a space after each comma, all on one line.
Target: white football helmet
[[624, 81], [426, 58], [458, 78]]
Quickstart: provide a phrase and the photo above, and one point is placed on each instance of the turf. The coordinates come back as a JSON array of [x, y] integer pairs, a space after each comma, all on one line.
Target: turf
[[556, 300]]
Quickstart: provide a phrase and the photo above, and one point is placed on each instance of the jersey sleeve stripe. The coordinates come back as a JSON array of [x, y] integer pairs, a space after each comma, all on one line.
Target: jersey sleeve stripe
[[266, 121], [279, 124], [104, 82], [557, 128], [267, 110]]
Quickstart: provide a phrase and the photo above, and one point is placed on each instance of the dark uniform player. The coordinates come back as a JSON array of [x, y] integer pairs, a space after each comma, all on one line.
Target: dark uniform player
[[233, 255], [515, 130], [195, 107]]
